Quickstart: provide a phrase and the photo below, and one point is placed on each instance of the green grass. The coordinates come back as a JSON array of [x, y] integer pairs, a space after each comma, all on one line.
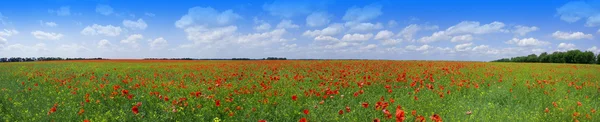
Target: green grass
[[67, 83]]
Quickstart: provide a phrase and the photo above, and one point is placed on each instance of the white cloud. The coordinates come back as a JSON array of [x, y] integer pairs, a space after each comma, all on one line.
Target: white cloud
[[107, 30], [571, 36], [62, 11], [49, 24], [409, 31], [527, 42], [440, 35], [474, 27], [104, 9], [206, 17], [594, 49], [46, 35], [326, 38], [317, 19], [369, 47], [576, 10], [263, 27], [383, 35], [463, 47], [593, 21], [598, 31], [200, 34], [149, 14], [261, 39], [465, 27], [72, 48], [363, 27], [566, 46], [132, 40], [357, 37], [389, 42], [104, 44], [415, 48], [462, 38], [139, 24], [368, 12], [287, 24], [6, 33], [523, 30], [158, 43], [331, 30]]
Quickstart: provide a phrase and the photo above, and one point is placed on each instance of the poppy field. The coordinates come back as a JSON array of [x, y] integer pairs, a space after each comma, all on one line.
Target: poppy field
[[282, 91]]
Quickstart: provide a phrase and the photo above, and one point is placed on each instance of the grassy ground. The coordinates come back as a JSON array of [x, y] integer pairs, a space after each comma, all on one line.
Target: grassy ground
[[264, 90]]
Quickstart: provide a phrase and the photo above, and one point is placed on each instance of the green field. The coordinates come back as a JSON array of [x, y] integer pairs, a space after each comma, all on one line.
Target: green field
[[280, 91]]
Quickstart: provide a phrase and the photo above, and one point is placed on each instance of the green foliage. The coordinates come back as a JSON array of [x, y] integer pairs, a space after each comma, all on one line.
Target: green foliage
[[571, 56]]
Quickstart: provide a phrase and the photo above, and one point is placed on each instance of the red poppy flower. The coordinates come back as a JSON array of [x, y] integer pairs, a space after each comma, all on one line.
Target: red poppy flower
[[347, 109], [341, 112], [294, 97], [306, 111], [53, 109], [302, 120], [218, 103], [547, 110], [262, 120], [436, 118], [376, 120], [420, 119], [400, 117], [366, 105]]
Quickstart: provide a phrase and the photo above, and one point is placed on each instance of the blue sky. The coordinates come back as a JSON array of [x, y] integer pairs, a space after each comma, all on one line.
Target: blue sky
[[388, 29]]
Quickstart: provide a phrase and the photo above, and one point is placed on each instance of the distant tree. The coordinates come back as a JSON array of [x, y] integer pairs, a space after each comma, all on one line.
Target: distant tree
[[544, 58]]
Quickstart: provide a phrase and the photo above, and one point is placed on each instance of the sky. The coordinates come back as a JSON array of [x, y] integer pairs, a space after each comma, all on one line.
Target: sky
[[470, 30]]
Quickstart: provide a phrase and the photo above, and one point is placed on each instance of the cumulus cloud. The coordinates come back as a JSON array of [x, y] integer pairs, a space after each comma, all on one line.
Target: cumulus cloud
[[139, 24], [317, 19], [158, 43], [571, 36], [72, 48], [574, 11], [62, 11], [107, 30], [365, 13], [523, 30], [465, 27], [326, 38], [363, 27], [357, 37], [49, 24], [463, 47], [594, 49], [415, 48], [331, 30], [263, 27], [206, 16], [104, 44], [474, 27], [104, 9], [132, 40], [6, 33], [287, 24], [527, 42], [566, 46], [46, 35], [409, 31], [383, 35], [201, 34], [462, 38]]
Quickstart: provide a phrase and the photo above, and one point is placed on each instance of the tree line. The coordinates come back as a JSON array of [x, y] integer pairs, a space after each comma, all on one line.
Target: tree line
[[28, 59], [571, 56]]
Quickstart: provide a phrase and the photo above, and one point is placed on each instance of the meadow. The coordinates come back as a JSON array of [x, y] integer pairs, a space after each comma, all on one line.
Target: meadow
[[283, 91]]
